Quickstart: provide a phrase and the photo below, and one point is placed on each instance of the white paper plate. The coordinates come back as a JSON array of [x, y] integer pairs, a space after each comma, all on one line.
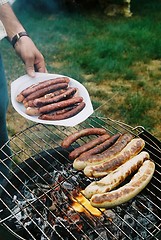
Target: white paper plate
[[25, 81]]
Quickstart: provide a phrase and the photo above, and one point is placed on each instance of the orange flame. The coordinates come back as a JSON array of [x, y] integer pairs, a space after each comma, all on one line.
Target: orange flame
[[81, 204]]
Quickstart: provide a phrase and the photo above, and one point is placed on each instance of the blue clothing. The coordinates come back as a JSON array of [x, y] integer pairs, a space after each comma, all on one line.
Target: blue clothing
[[4, 148]]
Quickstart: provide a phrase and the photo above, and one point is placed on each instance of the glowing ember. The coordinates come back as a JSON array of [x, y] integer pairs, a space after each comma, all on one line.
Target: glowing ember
[[81, 204]]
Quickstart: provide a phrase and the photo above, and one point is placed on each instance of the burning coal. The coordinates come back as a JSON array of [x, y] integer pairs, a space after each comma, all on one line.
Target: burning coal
[[52, 206], [81, 204]]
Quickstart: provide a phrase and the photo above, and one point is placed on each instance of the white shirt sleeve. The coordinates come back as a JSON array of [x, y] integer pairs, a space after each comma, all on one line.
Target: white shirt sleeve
[[2, 29], [3, 2]]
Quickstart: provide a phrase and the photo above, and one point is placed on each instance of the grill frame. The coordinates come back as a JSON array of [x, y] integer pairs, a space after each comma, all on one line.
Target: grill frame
[[153, 145]]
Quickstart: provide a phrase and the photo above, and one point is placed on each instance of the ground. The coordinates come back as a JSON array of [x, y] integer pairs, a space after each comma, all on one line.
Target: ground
[[146, 71]]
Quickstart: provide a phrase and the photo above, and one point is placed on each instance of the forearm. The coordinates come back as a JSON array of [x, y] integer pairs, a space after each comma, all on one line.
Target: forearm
[[24, 46], [10, 21]]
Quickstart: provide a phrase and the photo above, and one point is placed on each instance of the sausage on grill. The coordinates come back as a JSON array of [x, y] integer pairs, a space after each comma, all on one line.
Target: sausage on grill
[[102, 169], [111, 147], [81, 133], [128, 191], [116, 177], [89, 145]]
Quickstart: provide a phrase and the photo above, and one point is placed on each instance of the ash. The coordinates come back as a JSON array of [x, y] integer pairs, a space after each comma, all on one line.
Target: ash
[[43, 210]]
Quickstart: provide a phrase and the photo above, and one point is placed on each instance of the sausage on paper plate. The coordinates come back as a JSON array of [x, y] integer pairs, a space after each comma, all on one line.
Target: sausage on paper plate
[[116, 177], [112, 147], [60, 111], [100, 170], [128, 191], [39, 101], [66, 114], [81, 133], [40, 85], [46, 90], [32, 111], [68, 93], [60, 105]]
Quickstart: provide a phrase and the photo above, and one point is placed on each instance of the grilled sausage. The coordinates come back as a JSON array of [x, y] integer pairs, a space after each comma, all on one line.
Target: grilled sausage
[[31, 103], [43, 91], [20, 98], [111, 151], [40, 85], [102, 169], [61, 111], [128, 191], [81, 133], [70, 113], [60, 105], [99, 148], [86, 146], [65, 95], [116, 177], [32, 111]]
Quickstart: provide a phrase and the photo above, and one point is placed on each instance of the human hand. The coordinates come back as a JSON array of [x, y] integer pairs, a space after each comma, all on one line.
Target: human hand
[[30, 55]]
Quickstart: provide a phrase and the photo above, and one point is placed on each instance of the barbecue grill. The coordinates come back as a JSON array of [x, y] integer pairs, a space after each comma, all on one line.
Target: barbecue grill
[[38, 198]]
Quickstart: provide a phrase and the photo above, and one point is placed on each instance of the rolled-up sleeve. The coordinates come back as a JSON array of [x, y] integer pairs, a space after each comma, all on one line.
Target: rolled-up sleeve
[[3, 2], [2, 29]]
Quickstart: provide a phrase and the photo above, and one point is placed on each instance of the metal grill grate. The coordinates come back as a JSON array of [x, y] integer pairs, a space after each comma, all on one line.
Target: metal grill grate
[[36, 200]]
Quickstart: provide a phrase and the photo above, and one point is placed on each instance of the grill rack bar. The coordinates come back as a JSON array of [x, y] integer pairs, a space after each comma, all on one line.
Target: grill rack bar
[[31, 204], [123, 127], [28, 202], [29, 189]]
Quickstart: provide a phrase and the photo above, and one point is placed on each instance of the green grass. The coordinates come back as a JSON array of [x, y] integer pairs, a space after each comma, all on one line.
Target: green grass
[[135, 107], [108, 55]]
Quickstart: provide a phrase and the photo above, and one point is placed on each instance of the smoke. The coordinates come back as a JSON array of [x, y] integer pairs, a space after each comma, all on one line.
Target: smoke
[[41, 5], [11, 1]]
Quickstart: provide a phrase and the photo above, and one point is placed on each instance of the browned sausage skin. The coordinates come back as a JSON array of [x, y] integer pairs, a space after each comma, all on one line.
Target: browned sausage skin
[[52, 99], [102, 169], [61, 111], [45, 90], [108, 149], [128, 191], [60, 105], [100, 148], [66, 114], [68, 93], [31, 103], [40, 85], [32, 111], [20, 98], [81, 133], [117, 176], [86, 146]]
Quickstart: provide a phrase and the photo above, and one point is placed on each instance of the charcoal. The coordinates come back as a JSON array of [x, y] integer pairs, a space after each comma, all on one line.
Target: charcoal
[[102, 235], [46, 210]]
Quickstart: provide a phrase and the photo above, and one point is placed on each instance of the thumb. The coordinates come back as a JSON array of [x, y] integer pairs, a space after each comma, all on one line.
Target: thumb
[[30, 70]]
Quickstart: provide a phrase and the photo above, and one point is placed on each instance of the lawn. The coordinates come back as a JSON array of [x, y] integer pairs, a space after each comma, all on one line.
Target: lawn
[[117, 59]]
